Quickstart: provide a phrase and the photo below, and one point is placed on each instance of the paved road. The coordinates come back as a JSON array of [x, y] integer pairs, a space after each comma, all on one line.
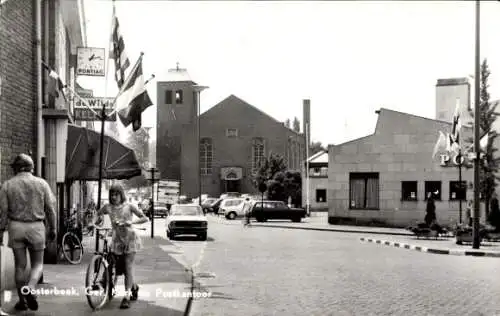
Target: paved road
[[271, 271]]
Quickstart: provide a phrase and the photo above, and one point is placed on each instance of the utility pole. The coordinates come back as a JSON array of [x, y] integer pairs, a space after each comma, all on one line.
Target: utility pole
[[152, 170], [477, 148]]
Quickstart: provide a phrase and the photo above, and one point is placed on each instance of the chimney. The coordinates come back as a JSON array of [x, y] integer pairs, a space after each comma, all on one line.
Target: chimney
[[306, 119]]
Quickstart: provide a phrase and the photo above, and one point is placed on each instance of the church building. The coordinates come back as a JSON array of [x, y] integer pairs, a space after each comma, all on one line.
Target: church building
[[233, 139]]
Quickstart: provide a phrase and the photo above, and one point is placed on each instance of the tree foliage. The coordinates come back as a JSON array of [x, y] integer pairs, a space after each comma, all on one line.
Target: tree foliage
[[315, 148], [296, 124], [487, 116], [280, 182]]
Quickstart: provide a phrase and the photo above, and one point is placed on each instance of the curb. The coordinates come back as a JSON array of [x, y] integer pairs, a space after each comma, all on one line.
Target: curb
[[456, 252], [335, 230]]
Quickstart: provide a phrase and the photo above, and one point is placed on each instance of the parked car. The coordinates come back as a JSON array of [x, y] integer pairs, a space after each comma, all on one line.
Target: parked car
[[207, 204], [215, 207], [232, 208], [230, 195], [186, 219], [276, 210]]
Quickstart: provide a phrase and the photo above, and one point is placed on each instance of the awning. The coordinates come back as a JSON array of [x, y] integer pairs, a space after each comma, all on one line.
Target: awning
[[82, 157]]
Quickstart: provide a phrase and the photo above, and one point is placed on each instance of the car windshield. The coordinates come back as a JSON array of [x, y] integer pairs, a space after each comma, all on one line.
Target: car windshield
[[186, 210]]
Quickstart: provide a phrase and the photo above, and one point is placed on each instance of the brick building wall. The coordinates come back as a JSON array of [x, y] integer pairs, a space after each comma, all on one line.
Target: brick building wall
[[237, 151], [18, 73]]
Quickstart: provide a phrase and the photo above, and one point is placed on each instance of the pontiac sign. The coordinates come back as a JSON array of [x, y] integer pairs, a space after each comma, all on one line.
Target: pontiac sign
[[83, 113]]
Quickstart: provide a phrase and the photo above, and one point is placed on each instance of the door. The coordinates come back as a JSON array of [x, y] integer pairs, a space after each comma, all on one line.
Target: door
[[233, 185]]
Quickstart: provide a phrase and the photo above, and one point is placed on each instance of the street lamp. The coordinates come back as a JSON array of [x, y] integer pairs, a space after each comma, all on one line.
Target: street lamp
[[197, 93]]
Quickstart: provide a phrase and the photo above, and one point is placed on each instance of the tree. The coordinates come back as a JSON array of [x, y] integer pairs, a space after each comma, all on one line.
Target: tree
[[287, 123], [296, 124], [270, 166], [315, 148], [487, 116], [139, 142], [280, 182]]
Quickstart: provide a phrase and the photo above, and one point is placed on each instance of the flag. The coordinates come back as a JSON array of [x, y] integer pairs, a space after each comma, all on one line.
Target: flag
[[133, 99], [483, 142], [440, 144], [117, 52], [456, 125], [55, 86]]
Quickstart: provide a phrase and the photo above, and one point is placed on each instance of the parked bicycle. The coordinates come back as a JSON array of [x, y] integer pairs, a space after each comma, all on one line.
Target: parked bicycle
[[70, 246], [101, 277]]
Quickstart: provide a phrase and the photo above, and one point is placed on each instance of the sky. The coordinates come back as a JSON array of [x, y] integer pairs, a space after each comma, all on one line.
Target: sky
[[349, 58]]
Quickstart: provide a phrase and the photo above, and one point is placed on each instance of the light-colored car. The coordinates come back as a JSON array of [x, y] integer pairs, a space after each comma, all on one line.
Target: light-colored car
[[186, 219], [232, 208]]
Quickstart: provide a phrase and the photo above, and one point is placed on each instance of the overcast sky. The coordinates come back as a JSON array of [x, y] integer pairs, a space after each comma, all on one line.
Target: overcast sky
[[348, 58]]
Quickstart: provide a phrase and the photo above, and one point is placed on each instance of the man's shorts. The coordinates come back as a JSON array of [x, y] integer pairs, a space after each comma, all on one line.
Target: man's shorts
[[27, 235]]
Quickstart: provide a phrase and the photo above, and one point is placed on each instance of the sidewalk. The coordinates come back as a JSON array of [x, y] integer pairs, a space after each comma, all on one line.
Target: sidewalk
[[162, 281], [319, 222], [442, 246]]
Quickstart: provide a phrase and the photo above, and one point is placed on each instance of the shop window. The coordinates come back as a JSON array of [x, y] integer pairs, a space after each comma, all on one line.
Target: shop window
[[409, 190], [457, 191], [320, 195], [178, 97], [364, 190], [168, 97], [434, 188]]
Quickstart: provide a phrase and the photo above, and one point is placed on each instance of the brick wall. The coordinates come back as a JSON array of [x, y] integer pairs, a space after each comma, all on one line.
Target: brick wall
[[18, 72]]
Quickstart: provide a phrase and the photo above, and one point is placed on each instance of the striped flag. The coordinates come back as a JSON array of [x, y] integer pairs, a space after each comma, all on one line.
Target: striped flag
[[55, 86], [117, 52], [133, 99]]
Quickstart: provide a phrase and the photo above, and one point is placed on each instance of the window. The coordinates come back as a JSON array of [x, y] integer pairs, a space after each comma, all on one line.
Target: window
[[258, 153], [458, 192], [178, 97], [320, 195], [206, 156], [232, 132], [433, 187], [409, 191], [364, 190], [168, 97]]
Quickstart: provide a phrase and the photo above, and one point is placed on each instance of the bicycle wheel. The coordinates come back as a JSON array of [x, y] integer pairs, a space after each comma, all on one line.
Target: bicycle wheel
[[97, 282], [72, 248]]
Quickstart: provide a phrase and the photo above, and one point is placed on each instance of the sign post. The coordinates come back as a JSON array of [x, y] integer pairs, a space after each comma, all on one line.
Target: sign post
[[152, 170]]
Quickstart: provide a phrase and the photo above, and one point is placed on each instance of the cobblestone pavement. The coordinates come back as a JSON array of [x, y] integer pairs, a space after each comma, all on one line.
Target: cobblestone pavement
[[162, 279], [269, 271]]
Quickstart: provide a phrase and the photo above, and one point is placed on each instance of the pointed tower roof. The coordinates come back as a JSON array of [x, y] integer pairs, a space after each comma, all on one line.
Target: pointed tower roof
[[177, 75]]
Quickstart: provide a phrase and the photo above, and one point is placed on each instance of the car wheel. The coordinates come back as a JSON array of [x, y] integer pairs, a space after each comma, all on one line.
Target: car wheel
[[203, 237], [231, 215]]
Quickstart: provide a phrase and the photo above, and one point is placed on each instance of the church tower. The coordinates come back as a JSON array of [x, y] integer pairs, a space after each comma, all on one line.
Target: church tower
[[177, 130]]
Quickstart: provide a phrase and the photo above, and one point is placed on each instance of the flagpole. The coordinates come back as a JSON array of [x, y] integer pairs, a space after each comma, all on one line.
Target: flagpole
[[475, 227]]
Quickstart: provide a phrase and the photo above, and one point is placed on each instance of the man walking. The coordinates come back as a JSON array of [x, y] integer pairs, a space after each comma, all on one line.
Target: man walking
[[247, 211], [26, 201]]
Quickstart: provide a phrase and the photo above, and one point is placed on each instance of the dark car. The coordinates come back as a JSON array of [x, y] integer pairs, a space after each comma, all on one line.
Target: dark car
[[207, 204], [215, 207], [263, 211]]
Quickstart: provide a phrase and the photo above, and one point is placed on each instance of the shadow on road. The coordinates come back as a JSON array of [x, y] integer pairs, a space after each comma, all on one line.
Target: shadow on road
[[191, 238]]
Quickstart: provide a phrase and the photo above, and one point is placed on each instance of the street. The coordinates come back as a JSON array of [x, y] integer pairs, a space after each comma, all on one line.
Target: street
[[264, 271]]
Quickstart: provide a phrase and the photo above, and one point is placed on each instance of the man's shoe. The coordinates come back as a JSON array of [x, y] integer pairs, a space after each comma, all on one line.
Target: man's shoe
[[20, 306], [135, 293], [125, 303], [31, 301]]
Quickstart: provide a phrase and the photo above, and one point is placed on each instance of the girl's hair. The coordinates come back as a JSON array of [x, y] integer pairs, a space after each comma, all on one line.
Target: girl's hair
[[116, 188]]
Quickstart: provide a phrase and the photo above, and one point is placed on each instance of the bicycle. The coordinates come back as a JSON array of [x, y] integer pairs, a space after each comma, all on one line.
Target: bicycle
[[70, 246], [102, 262]]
